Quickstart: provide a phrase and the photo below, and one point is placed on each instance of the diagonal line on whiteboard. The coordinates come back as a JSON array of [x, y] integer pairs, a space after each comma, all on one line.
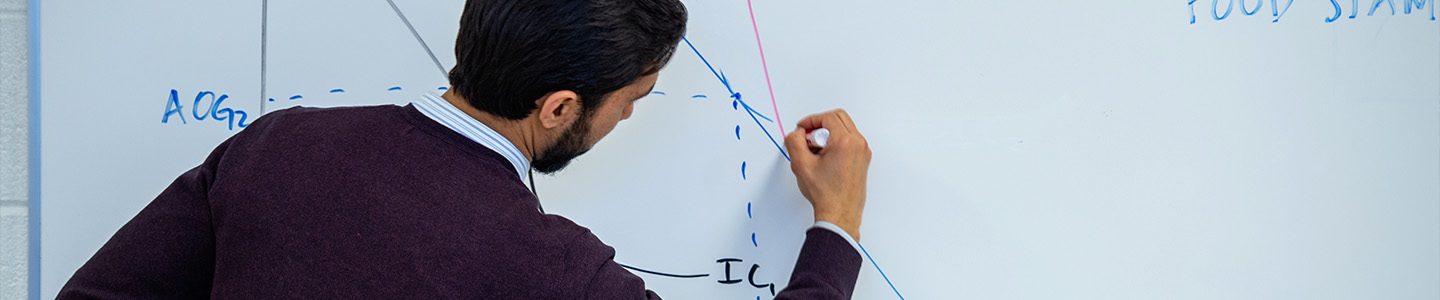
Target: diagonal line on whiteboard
[[765, 67], [419, 39]]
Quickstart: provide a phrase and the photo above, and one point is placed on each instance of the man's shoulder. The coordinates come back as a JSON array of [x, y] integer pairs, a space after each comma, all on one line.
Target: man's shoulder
[[322, 117], [335, 126]]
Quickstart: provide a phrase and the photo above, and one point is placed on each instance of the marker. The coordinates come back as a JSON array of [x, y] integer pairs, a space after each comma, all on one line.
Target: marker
[[817, 138]]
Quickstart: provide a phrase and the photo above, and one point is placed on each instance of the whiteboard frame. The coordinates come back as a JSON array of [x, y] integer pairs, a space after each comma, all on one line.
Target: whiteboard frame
[[33, 38]]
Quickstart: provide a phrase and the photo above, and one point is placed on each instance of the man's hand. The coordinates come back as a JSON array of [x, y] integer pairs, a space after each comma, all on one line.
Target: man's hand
[[833, 179]]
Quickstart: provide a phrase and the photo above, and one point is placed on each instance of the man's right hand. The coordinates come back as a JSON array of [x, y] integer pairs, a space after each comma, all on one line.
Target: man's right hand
[[834, 178]]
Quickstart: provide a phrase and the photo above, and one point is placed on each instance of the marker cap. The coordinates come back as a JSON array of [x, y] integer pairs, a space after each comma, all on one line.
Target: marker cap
[[817, 138]]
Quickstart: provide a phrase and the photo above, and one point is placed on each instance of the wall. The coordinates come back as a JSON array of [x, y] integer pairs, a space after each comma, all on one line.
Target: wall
[[14, 154]]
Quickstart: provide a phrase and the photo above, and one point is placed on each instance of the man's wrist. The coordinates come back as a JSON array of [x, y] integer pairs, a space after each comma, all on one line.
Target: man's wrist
[[851, 225]]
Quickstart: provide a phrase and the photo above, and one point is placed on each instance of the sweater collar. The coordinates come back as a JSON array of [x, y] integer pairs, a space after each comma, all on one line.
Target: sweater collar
[[443, 112]]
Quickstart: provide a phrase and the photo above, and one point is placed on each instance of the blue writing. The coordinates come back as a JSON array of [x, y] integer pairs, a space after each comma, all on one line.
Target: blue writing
[[215, 111], [1192, 11], [173, 106], [1419, 4], [216, 104], [1337, 12], [1377, 6], [1215, 10], [1279, 13], [243, 116], [1409, 5], [193, 108], [230, 113], [1258, 4]]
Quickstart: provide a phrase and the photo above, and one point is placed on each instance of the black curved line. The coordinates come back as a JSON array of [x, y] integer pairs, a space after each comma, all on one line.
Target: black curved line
[[663, 274]]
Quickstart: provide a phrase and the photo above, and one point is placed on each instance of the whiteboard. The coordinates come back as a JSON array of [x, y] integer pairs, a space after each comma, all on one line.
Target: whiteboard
[[1022, 150]]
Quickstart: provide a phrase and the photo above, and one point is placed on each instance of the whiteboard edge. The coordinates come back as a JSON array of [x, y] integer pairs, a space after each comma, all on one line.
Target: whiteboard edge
[[33, 36]]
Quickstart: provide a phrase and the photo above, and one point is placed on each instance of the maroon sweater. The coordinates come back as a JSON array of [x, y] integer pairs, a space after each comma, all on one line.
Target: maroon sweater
[[375, 202]]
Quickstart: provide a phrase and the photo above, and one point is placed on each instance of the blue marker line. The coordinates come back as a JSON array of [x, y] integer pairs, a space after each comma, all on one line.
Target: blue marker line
[[394, 88], [272, 99], [699, 96], [882, 273], [721, 75], [337, 91], [1214, 8], [707, 65], [295, 97], [747, 107], [1247, 12], [767, 134], [752, 240], [657, 93], [737, 132], [742, 170], [733, 94], [442, 88], [747, 211]]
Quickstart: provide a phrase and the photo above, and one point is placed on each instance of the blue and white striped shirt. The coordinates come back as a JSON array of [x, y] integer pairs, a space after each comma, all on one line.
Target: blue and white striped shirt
[[442, 111]]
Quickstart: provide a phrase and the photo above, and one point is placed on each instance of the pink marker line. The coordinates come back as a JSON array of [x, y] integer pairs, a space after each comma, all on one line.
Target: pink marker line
[[764, 67]]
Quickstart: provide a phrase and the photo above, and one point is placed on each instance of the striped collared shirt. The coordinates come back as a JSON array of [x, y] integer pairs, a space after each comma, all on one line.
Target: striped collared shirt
[[446, 114]]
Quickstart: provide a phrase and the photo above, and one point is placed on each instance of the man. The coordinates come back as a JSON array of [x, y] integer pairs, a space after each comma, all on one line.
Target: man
[[428, 200]]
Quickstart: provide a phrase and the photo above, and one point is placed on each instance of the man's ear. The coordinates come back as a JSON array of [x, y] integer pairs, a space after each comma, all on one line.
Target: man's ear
[[559, 109]]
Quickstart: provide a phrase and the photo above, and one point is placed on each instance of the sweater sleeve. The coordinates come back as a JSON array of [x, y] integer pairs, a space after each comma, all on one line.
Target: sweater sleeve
[[596, 275], [166, 252], [826, 269]]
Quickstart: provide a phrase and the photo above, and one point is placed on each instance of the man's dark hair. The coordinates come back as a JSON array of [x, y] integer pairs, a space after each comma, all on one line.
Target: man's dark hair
[[509, 53]]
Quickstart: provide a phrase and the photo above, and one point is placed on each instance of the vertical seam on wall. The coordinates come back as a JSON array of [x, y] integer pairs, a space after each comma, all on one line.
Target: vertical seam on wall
[[33, 90]]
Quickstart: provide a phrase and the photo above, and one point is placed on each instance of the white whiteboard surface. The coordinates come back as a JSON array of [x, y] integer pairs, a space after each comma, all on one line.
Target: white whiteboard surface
[[1023, 150]]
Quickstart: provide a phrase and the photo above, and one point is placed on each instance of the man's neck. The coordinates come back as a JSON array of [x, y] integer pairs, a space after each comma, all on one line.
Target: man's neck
[[513, 130]]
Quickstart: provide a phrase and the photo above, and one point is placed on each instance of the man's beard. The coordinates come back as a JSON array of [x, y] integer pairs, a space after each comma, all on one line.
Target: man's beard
[[570, 145]]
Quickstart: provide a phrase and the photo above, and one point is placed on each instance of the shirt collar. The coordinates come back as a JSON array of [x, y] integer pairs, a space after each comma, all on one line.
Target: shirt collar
[[446, 114]]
